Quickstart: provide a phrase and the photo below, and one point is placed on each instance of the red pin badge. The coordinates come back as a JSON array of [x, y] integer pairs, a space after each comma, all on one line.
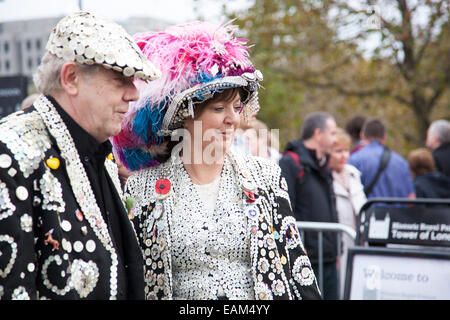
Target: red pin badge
[[162, 186]]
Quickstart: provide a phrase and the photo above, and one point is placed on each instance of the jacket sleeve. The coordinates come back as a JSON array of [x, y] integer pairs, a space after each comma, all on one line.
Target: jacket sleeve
[[18, 261], [289, 171], [296, 262]]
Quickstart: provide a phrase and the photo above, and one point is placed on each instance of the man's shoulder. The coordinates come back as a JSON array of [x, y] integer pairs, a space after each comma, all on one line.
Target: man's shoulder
[[398, 159], [24, 136], [24, 129], [19, 119], [290, 156], [297, 154], [364, 152], [442, 150], [370, 152]]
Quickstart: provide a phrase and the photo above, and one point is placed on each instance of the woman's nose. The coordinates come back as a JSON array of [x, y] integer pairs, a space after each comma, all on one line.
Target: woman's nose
[[232, 115]]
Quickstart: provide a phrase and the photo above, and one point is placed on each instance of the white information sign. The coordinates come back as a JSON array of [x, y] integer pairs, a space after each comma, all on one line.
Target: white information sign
[[378, 277]]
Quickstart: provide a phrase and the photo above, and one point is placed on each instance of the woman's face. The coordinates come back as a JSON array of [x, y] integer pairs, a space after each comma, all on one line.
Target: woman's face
[[214, 127], [339, 156]]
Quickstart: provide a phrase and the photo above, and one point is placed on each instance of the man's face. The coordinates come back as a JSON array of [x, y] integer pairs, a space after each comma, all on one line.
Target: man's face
[[104, 96], [432, 140], [327, 137]]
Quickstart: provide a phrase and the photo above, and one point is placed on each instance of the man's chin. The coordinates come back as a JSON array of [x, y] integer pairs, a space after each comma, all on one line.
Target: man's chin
[[116, 131]]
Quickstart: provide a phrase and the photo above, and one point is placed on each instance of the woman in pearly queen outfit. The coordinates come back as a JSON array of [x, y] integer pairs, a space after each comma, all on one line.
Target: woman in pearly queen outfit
[[211, 224]]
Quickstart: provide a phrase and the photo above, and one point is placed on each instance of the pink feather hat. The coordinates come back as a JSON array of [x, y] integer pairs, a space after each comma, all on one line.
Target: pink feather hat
[[197, 60]]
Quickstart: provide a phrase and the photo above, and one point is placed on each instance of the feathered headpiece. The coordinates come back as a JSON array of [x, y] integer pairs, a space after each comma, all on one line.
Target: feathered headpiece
[[197, 60]]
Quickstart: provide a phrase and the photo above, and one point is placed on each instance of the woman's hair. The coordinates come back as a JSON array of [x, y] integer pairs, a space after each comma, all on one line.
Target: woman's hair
[[227, 95], [47, 78], [342, 137], [421, 161]]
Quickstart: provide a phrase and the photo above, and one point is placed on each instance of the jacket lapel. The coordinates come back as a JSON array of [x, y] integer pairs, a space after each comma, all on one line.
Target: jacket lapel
[[163, 226], [113, 172], [77, 175], [165, 254], [242, 172]]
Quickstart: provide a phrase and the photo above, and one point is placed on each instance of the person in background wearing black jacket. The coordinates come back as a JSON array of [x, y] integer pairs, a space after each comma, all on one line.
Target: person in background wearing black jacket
[[438, 140], [64, 231], [305, 167], [428, 182]]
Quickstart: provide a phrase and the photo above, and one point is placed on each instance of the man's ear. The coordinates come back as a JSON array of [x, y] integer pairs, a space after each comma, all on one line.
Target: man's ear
[[70, 78], [436, 140], [317, 132]]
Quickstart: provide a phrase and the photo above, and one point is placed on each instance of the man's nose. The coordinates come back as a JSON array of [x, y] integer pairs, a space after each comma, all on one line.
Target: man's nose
[[132, 93]]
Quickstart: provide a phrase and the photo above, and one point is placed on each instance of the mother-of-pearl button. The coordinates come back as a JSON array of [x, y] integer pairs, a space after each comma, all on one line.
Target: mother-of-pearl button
[[78, 246], [31, 267], [21, 193], [90, 245], [67, 246], [66, 226], [5, 161]]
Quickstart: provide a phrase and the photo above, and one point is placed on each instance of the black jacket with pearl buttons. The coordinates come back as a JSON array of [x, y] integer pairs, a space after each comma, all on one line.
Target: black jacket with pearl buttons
[[280, 267], [64, 232]]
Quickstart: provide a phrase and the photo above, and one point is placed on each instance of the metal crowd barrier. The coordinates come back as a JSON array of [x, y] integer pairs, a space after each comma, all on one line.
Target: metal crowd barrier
[[321, 227]]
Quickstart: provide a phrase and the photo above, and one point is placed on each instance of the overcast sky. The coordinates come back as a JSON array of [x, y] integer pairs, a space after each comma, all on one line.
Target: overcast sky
[[175, 11]]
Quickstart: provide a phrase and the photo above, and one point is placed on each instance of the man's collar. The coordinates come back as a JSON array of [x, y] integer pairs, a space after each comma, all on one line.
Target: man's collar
[[321, 163], [84, 142], [374, 142]]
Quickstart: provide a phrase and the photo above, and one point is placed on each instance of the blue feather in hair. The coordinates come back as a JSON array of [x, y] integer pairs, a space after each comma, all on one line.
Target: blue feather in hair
[[206, 77], [137, 159], [148, 122]]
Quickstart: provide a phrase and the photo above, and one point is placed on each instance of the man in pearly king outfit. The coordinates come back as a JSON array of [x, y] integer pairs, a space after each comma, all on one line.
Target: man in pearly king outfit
[[64, 230]]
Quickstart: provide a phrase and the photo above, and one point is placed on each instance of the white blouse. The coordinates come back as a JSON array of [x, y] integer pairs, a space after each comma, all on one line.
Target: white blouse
[[208, 194], [210, 244]]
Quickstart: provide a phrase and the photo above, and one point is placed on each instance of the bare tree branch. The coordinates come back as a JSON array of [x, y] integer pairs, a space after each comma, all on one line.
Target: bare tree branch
[[432, 24]]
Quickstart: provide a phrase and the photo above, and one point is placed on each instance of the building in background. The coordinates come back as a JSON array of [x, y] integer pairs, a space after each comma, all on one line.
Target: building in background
[[143, 24], [22, 45]]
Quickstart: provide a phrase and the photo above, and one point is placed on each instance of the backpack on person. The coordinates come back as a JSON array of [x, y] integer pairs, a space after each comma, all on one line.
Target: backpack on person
[[383, 164]]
